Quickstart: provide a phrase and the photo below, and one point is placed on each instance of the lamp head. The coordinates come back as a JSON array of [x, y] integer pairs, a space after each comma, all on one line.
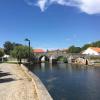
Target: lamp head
[[27, 39]]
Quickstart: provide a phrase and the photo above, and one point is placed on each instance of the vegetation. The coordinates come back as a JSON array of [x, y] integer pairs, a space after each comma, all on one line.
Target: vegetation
[[93, 44], [21, 52], [73, 49], [1, 52], [96, 44], [86, 46], [9, 46], [95, 57], [62, 59]]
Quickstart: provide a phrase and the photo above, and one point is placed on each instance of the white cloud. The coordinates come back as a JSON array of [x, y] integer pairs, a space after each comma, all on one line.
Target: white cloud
[[87, 6], [29, 2], [90, 6], [60, 2], [42, 4]]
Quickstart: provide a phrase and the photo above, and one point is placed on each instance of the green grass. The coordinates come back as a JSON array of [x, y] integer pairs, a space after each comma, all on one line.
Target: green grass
[[95, 57], [10, 62]]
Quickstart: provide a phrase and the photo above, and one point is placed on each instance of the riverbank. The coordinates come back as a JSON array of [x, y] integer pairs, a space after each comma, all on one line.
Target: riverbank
[[41, 91], [15, 84], [92, 65]]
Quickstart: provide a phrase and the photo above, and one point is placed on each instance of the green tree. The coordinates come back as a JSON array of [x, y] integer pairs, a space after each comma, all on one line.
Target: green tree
[[1, 52], [8, 46], [16, 44], [73, 49], [21, 52], [86, 46], [96, 44], [93, 44]]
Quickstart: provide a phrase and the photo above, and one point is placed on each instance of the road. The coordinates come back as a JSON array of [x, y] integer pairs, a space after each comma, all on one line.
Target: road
[[15, 84]]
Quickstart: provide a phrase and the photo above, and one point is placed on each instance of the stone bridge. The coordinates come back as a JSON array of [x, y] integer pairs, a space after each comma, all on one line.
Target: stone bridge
[[48, 56]]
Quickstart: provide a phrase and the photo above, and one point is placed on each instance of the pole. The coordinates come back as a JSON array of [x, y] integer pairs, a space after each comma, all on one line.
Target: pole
[[28, 50], [29, 54]]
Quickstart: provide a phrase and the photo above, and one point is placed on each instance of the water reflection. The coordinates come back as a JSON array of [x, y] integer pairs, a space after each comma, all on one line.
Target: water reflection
[[51, 66], [51, 79], [42, 67], [70, 82]]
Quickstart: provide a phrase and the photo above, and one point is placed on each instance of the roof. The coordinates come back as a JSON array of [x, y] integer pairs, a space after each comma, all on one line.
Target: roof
[[39, 51], [97, 49]]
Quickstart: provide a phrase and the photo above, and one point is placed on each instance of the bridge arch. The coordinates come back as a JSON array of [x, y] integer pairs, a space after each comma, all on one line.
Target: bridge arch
[[43, 58], [62, 59]]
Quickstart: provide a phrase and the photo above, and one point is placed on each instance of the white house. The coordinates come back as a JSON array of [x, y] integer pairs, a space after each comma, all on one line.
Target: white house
[[6, 56], [92, 51]]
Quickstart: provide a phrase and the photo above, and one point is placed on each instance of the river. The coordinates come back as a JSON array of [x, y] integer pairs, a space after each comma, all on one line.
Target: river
[[69, 82]]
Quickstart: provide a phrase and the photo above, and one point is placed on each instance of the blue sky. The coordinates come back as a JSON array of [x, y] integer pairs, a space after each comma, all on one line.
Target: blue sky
[[50, 24]]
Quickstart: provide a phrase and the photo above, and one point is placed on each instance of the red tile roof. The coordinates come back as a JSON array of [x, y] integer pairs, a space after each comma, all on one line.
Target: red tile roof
[[39, 51], [97, 49]]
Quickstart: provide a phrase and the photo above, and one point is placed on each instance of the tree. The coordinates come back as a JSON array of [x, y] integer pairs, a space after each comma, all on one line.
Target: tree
[[93, 44], [96, 44], [1, 52], [86, 46], [21, 52], [16, 44], [8, 46], [73, 49]]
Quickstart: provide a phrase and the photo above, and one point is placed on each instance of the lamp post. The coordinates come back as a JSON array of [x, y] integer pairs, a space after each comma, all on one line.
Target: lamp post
[[29, 48]]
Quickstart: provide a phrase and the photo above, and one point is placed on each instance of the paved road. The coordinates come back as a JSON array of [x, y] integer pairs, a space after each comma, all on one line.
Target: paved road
[[15, 84]]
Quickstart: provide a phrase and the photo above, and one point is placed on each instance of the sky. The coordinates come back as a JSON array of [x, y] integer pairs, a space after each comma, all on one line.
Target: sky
[[50, 24]]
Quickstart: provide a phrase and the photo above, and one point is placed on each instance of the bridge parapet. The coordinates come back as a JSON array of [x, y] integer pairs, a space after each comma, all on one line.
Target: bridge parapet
[[55, 55]]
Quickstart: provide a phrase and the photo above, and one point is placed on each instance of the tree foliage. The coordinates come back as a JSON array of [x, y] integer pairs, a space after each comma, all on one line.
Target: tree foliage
[[73, 49], [1, 52], [86, 46], [21, 52], [93, 44], [9, 46], [96, 44]]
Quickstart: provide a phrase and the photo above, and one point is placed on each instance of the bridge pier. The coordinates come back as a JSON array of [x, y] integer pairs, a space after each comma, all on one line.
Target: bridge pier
[[50, 60]]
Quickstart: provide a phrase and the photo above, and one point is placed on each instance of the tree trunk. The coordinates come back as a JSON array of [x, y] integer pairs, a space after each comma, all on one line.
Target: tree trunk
[[20, 61]]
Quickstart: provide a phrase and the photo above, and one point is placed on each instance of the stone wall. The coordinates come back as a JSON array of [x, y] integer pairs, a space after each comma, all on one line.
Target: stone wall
[[42, 92]]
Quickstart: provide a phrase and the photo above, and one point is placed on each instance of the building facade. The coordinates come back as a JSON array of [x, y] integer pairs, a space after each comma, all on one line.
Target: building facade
[[92, 51]]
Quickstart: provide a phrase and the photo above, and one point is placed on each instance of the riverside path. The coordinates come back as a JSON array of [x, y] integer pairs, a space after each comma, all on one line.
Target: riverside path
[[15, 84]]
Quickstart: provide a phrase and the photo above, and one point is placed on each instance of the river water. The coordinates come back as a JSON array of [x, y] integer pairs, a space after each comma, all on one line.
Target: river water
[[69, 82]]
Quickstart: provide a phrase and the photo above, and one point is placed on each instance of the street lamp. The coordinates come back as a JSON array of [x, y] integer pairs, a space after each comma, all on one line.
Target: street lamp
[[29, 48]]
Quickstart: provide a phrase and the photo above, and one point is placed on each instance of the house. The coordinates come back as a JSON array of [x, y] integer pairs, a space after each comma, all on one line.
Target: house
[[38, 51], [92, 51], [6, 56]]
